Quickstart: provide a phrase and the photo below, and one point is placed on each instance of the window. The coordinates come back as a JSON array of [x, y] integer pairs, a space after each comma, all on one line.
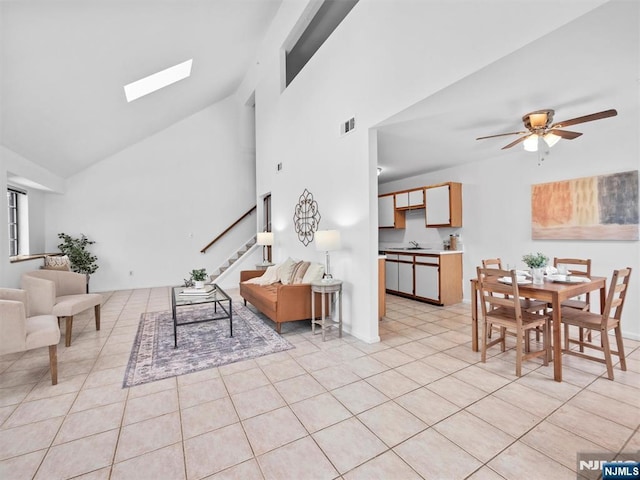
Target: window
[[324, 22], [13, 201]]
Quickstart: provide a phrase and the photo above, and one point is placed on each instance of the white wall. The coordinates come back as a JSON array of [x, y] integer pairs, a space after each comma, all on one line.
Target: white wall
[[152, 207], [380, 60], [34, 180]]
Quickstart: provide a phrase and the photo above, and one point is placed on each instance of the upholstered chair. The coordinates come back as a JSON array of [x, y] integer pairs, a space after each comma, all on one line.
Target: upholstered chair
[[23, 330], [62, 294]]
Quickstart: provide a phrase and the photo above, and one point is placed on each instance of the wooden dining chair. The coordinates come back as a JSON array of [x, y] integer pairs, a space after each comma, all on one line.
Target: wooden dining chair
[[501, 307], [492, 263], [609, 320], [580, 268], [529, 305]]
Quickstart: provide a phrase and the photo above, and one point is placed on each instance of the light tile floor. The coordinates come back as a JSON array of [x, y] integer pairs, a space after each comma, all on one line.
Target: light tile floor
[[419, 404]]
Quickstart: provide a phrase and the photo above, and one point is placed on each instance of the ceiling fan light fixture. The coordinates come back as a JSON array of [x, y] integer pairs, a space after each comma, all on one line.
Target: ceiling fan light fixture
[[542, 133], [551, 139], [538, 120], [531, 143]]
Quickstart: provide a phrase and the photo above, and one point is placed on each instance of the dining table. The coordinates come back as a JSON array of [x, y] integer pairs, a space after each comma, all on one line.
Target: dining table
[[552, 292]]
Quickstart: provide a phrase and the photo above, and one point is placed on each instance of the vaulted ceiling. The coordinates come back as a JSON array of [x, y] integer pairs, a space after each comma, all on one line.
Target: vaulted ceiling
[[64, 65]]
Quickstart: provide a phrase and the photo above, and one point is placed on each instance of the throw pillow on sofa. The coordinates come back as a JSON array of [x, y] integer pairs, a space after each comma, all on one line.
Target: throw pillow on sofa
[[314, 273], [267, 278], [298, 272], [57, 262], [285, 270]]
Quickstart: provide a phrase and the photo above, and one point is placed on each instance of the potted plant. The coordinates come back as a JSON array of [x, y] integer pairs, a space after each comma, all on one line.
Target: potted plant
[[536, 262], [199, 276], [82, 261]]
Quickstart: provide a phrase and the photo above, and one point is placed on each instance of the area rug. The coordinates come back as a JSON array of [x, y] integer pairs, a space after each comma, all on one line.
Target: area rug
[[200, 346]]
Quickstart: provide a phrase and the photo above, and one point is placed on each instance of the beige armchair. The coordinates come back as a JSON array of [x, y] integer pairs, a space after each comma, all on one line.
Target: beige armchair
[[62, 294], [22, 330]]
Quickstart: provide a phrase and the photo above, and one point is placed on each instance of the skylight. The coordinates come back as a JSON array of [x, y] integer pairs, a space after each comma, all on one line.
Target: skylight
[[158, 80]]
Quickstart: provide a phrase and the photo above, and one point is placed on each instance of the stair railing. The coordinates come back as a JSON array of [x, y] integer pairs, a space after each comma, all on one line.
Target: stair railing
[[228, 229]]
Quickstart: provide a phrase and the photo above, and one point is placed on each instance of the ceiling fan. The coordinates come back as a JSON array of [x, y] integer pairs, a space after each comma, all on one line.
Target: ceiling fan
[[540, 128]]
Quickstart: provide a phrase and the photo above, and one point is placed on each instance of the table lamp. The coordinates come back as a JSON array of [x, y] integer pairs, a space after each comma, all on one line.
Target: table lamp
[[327, 240], [266, 240]]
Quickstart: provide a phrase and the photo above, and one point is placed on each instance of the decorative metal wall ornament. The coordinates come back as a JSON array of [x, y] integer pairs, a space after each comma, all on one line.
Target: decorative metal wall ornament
[[306, 217]]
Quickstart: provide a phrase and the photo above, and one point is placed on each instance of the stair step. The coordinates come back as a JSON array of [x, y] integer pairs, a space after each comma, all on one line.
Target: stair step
[[234, 258]]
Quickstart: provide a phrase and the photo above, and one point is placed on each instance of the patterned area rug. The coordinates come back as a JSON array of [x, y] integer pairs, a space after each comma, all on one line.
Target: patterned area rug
[[200, 346]]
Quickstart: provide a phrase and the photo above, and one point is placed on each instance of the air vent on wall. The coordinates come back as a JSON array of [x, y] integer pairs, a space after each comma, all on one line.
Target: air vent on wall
[[349, 125]]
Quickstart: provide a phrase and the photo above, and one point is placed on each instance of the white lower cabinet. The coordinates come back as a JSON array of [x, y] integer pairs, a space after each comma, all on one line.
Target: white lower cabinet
[[391, 275], [399, 273], [405, 278], [427, 283], [433, 278]]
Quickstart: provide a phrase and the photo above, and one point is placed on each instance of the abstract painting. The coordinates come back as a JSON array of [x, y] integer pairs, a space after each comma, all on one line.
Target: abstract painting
[[604, 207]]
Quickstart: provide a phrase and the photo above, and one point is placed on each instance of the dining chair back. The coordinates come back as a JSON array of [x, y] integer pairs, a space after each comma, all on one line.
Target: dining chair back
[[526, 303], [492, 263], [610, 319], [501, 307], [578, 267]]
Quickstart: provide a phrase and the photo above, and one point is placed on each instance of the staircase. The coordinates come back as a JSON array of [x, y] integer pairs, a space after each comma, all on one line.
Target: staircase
[[233, 259]]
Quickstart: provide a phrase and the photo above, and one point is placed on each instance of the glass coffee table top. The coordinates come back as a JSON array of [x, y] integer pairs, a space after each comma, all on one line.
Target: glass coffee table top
[[215, 294], [211, 294]]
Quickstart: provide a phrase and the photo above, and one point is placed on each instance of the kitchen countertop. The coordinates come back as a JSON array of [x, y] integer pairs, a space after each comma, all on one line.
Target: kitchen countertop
[[429, 251]]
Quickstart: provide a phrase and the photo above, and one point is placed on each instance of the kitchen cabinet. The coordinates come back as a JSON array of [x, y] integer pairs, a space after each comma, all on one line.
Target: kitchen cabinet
[[429, 277], [443, 205], [405, 276], [399, 273], [391, 272], [410, 199], [388, 216]]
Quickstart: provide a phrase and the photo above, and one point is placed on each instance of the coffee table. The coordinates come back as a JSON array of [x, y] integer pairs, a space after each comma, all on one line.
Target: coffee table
[[217, 297]]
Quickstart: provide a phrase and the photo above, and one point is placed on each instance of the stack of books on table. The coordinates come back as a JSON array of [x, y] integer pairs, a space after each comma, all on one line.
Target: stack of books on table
[[206, 290]]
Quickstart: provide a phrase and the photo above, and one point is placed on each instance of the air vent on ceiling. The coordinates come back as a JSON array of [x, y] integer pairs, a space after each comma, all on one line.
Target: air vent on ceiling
[[348, 126]]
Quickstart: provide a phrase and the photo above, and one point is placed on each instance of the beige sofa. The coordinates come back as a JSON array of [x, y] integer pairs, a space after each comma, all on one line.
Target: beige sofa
[[62, 294]]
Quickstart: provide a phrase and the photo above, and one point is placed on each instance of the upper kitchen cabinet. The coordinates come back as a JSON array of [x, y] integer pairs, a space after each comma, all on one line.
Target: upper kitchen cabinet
[[410, 199], [444, 205], [388, 216]]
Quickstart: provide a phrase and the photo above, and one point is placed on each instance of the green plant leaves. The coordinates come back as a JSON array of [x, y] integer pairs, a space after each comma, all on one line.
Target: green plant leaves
[[82, 261]]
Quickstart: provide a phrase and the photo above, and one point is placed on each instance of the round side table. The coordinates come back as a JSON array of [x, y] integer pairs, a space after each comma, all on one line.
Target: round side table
[[331, 288], [263, 266]]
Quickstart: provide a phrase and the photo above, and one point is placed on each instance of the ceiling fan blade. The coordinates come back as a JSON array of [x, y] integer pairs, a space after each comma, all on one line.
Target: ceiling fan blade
[[501, 135], [566, 134], [516, 142], [585, 118]]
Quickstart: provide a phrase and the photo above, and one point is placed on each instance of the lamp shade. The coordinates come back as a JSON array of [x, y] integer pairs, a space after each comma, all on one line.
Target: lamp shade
[[531, 143], [265, 238], [327, 240], [551, 139]]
